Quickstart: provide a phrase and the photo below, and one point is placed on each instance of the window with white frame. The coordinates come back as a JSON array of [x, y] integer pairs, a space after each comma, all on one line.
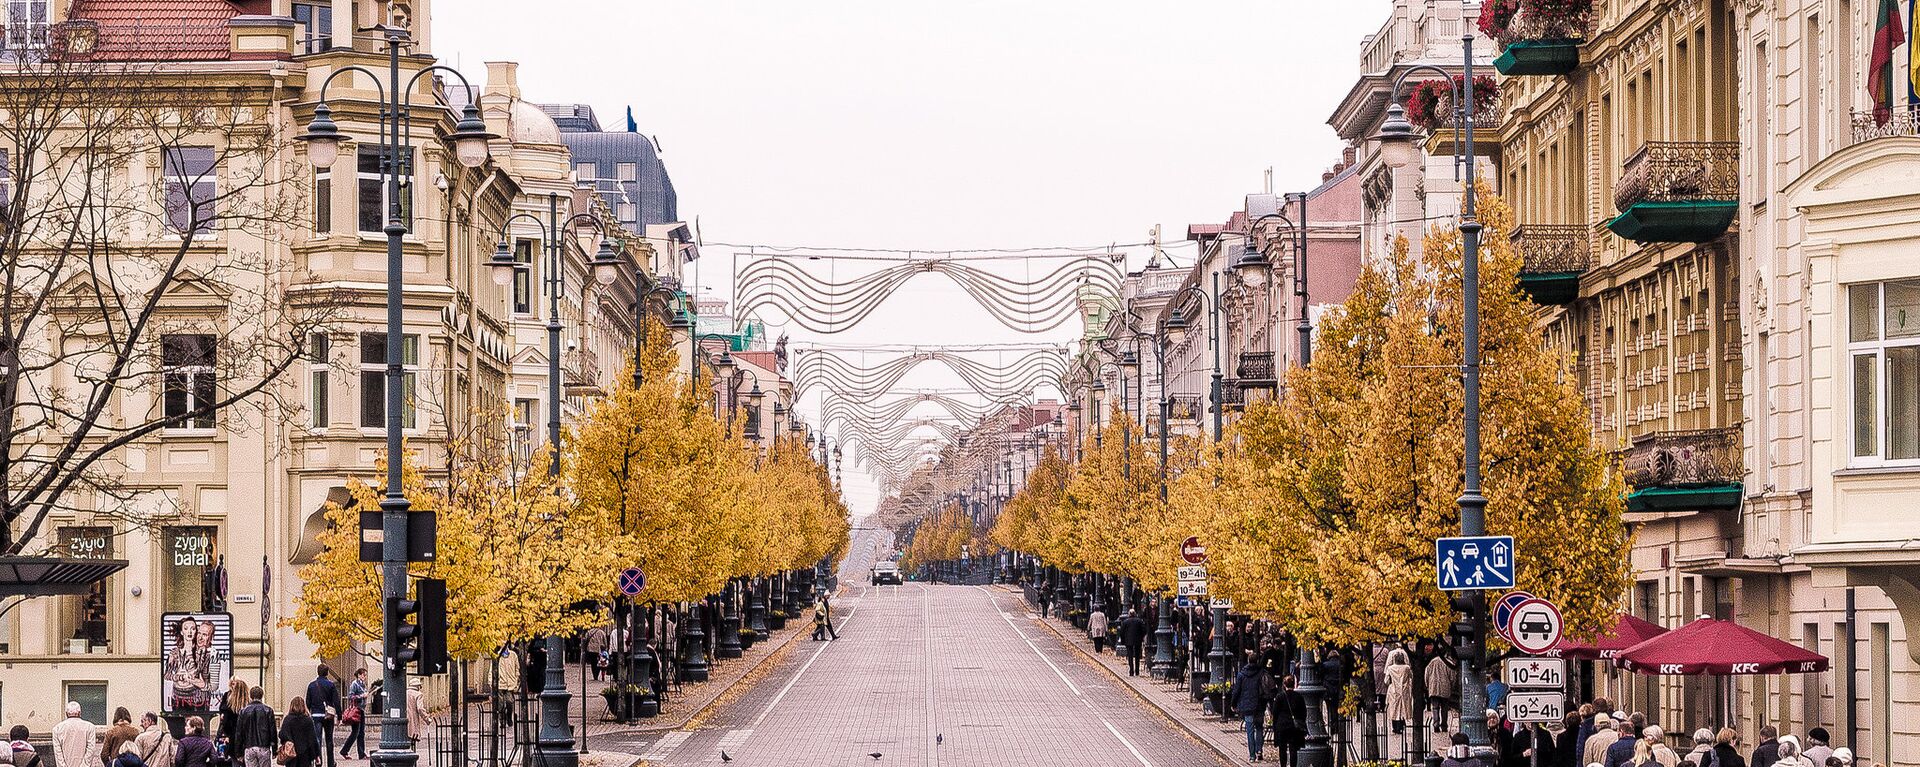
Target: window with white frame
[[373, 191], [628, 171], [626, 212], [373, 379], [523, 276], [27, 22], [187, 379], [1883, 346], [318, 390], [190, 189]]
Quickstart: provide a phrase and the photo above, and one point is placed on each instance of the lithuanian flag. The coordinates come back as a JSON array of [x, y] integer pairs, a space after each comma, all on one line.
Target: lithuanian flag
[[1887, 35]]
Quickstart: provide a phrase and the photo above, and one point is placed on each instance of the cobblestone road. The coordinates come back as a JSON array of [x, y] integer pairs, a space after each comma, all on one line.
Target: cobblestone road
[[928, 675]]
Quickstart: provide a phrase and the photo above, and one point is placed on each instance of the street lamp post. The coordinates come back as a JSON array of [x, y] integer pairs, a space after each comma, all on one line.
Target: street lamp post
[[1170, 329], [469, 138], [1396, 151], [554, 697]]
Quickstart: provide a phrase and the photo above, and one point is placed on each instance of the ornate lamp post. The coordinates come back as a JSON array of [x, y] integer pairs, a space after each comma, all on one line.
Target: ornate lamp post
[[1397, 151], [469, 139]]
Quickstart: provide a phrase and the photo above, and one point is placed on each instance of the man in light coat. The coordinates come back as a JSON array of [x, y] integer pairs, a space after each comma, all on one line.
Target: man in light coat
[[1602, 738], [1097, 629], [155, 744], [76, 742]]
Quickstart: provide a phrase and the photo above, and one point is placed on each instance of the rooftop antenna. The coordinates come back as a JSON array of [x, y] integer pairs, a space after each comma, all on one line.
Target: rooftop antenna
[[1269, 179]]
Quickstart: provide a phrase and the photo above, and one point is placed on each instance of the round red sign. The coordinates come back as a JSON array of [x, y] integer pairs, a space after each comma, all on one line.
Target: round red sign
[[1192, 551]]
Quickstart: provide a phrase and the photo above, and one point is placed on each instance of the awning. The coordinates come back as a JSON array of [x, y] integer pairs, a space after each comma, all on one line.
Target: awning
[[50, 576], [1627, 631], [1717, 647]]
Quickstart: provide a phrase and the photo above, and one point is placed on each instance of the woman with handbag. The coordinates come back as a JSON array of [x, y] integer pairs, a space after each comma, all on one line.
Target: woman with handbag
[[299, 740], [356, 715]]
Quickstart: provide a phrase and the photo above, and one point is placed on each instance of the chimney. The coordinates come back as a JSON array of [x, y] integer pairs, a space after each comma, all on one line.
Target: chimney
[[1346, 155], [503, 79], [1327, 176]]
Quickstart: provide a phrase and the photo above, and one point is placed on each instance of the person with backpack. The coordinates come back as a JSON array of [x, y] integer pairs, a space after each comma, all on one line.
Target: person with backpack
[[1248, 695], [23, 753], [155, 743]]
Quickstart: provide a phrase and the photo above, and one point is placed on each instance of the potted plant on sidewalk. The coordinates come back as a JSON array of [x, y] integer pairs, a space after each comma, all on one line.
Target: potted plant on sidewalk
[[1213, 698], [747, 638], [627, 701]]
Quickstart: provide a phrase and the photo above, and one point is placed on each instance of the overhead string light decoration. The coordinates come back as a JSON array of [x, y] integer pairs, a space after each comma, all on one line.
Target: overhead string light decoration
[[997, 379], [784, 283]]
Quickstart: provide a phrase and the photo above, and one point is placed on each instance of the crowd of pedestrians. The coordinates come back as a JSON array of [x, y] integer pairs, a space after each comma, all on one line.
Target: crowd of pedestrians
[[247, 732]]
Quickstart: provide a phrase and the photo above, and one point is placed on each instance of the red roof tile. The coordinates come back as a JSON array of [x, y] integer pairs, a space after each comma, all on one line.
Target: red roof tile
[[159, 30]]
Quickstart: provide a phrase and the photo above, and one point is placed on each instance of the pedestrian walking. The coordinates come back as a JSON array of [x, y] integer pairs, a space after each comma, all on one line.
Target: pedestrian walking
[[195, 750], [1443, 682], [74, 740], [419, 719], [323, 701], [1726, 749], [1399, 689], [128, 757], [1817, 749], [23, 753], [155, 743], [355, 716], [1248, 695], [594, 644], [1789, 754], [297, 733], [121, 733], [255, 738], [1289, 719], [1602, 739], [1656, 738], [1133, 634], [1768, 750], [231, 702], [819, 621], [1459, 754], [1620, 752], [826, 612], [1702, 753], [1097, 628]]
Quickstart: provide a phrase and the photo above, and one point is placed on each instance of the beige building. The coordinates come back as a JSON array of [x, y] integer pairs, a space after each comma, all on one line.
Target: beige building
[[222, 510], [1714, 226]]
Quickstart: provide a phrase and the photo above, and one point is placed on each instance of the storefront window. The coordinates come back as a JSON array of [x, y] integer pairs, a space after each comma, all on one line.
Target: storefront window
[[187, 564], [84, 618]]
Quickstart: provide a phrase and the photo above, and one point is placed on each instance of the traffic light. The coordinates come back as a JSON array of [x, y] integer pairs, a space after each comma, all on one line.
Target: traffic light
[[1467, 631], [422, 642]]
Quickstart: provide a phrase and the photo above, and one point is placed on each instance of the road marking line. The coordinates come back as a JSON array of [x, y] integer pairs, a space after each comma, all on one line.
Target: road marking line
[[926, 634], [664, 747], [995, 601], [803, 667]]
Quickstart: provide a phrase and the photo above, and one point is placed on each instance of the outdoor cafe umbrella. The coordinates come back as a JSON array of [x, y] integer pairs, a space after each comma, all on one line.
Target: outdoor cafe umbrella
[[1717, 647], [1627, 631]]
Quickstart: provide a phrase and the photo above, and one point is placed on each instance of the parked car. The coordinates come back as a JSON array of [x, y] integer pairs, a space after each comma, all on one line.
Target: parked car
[[884, 573]]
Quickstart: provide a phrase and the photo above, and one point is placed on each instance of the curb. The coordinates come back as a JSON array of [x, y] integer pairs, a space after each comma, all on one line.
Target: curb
[[1175, 717], [662, 725]]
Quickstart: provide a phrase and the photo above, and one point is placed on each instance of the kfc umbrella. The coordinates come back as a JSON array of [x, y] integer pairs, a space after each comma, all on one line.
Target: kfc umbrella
[[1627, 631], [1717, 647]]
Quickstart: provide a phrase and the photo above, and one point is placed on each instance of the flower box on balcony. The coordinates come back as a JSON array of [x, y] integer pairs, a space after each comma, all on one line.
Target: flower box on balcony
[[1678, 191], [1539, 57]]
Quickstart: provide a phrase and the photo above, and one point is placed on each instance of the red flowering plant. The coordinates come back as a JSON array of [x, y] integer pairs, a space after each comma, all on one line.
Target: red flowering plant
[[1511, 21], [1430, 104]]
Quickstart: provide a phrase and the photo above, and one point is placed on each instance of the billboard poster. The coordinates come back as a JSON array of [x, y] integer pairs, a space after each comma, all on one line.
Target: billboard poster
[[196, 660]]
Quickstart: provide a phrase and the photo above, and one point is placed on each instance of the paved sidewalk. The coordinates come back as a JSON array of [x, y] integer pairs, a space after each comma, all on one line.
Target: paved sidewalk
[[1226, 738], [690, 699]]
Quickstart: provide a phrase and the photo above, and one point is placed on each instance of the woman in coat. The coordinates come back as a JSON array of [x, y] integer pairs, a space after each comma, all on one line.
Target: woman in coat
[[297, 728], [194, 750], [1097, 629], [1399, 689], [230, 705], [1726, 749]]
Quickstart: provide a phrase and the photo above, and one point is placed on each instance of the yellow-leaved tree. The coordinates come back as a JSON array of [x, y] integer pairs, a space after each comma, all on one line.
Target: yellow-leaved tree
[[1327, 502]]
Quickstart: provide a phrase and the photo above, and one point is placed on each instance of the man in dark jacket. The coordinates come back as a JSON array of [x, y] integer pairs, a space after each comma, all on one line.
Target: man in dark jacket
[[1289, 719], [323, 700], [1248, 696], [1620, 754], [1133, 633], [255, 738], [1768, 752]]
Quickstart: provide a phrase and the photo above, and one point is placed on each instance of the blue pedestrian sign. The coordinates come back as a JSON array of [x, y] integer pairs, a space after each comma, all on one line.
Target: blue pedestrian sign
[[1468, 564]]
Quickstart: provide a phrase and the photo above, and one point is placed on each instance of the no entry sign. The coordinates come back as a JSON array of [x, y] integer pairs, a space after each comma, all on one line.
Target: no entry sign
[[1192, 551]]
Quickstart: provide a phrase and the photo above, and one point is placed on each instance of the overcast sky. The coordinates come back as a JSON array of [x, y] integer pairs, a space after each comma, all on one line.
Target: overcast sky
[[928, 125]]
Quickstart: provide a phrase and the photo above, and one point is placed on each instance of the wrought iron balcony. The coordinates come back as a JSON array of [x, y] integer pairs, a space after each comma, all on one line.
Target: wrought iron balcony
[[1231, 397], [1255, 371], [1678, 191], [580, 369], [1901, 121], [1684, 470], [1552, 258]]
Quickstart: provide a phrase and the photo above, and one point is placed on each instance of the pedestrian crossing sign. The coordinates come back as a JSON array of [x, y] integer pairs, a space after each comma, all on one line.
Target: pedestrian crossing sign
[[1470, 563]]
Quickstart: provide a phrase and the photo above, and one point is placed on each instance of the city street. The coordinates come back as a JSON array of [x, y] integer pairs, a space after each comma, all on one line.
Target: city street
[[928, 675]]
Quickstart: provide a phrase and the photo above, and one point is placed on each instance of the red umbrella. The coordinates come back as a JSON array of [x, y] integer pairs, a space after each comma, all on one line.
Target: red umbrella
[[1709, 646], [1627, 631]]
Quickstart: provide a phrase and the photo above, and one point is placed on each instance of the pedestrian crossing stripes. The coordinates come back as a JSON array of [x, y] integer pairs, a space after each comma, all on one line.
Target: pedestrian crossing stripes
[[664, 747]]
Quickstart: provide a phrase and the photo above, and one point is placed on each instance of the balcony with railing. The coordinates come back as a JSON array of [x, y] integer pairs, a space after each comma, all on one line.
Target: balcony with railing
[[580, 369], [1899, 121], [1552, 258], [1697, 470], [1256, 371], [1678, 191]]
